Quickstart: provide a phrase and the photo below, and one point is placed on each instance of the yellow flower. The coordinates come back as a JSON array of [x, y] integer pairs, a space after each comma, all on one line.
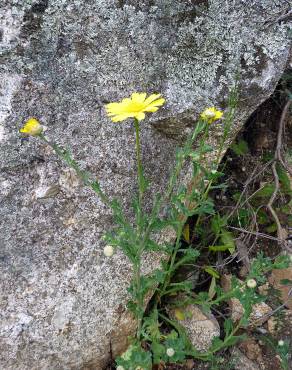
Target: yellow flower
[[211, 114], [134, 107], [32, 127]]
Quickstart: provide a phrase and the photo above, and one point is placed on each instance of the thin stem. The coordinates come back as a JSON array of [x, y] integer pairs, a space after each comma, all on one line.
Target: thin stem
[[141, 245], [139, 162], [137, 279]]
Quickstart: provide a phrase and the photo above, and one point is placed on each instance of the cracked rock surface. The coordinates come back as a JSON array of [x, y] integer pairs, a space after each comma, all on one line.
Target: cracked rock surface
[[62, 302]]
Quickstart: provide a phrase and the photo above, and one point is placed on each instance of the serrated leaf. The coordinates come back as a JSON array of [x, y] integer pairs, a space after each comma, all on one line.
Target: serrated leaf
[[240, 148], [227, 239]]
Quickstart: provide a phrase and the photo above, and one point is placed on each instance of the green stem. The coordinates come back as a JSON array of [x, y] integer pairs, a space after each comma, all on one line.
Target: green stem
[[139, 162], [137, 266], [139, 298], [172, 260]]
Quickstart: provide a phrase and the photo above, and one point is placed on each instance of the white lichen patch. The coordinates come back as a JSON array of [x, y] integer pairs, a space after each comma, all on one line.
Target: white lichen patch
[[9, 84], [10, 25], [63, 313]]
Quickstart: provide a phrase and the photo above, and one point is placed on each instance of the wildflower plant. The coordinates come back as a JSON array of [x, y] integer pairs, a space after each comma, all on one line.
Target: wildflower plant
[[170, 209]]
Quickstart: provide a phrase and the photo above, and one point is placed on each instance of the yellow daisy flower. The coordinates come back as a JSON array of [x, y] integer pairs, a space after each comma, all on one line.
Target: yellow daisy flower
[[211, 114], [134, 107], [32, 127]]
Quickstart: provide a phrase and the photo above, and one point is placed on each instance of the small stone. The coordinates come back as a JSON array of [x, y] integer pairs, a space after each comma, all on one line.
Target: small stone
[[242, 362], [264, 289], [201, 328], [272, 324], [259, 314], [251, 349], [275, 280], [43, 192], [108, 250], [259, 310], [190, 364]]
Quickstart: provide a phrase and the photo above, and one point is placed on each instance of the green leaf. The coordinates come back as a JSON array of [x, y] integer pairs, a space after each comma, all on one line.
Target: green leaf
[[211, 271], [240, 148], [135, 357], [287, 208], [284, 179], [286, 282], [218, 223], [271, 228], [218, 248], [228, 327], [266, 191], [158, 351], [212, 290], [262, 217], [227, 239]]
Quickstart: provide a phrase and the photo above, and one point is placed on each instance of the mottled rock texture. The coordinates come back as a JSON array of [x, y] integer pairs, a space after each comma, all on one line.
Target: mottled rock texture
[[201, 328], [62, 302]]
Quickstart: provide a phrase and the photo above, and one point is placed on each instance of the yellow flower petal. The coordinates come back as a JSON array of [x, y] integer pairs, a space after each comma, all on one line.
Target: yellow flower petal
[[140, 116], [157, 102], [134, 107], [151, 109], [151, 98], [138, 97]]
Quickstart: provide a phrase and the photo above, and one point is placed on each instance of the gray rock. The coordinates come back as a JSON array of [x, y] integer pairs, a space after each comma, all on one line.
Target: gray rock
[[242, 362], [201, 328], [62, 302]]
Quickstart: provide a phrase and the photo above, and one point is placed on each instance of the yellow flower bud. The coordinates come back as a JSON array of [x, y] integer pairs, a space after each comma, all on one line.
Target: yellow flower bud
[[32, 127], [211, 114]]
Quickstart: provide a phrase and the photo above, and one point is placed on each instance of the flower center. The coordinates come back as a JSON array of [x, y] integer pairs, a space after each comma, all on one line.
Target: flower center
[[209, 113], [135, 107]]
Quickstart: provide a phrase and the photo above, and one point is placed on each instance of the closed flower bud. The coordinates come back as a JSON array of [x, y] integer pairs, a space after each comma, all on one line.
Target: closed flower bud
[[281, 343], [251, 283], [170, 352], [211, 114], [120, 367], [108, 250], [32, 127]]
